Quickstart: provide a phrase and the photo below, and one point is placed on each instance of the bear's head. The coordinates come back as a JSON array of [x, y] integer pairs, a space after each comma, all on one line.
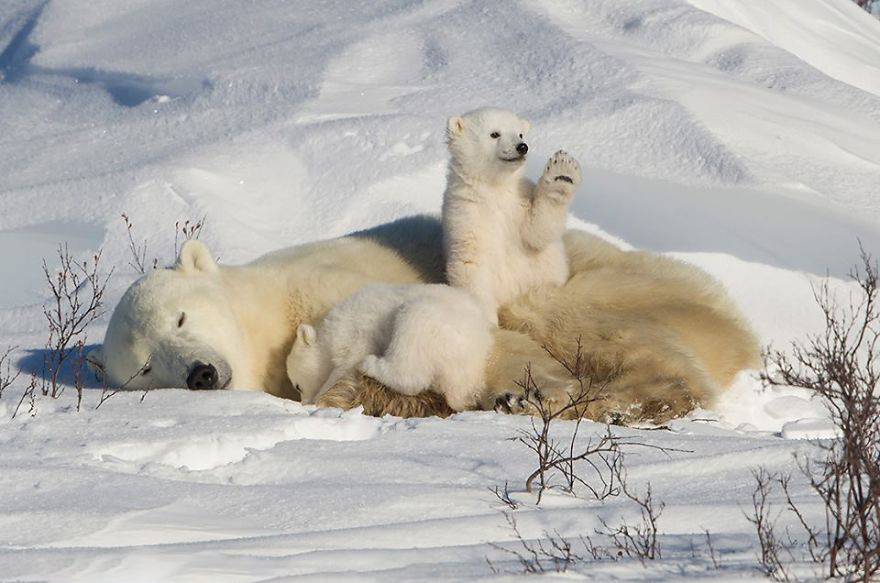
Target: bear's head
[[487, 144], [308, 366], [175, 327]]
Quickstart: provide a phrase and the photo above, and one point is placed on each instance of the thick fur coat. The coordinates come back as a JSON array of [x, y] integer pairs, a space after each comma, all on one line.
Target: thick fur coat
[[660, 335]]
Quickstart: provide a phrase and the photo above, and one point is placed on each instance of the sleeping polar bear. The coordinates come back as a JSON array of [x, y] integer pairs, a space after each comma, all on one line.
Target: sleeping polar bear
[[660, 335]]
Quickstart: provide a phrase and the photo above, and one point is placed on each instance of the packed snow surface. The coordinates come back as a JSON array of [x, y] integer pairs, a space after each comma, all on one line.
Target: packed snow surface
[[741, 136]]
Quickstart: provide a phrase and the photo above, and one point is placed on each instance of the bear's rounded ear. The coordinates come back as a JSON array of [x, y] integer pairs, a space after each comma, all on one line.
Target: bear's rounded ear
[[195, 257], [95, 360], [306, 334], [455, 126]]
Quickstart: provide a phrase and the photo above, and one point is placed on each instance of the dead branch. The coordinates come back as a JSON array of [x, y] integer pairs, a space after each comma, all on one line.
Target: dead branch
[[640, 540], [77, 290], [764, 520], [537, 556], [138, 251], [186, 230], [840, 365], [7, 376], [504, 496]]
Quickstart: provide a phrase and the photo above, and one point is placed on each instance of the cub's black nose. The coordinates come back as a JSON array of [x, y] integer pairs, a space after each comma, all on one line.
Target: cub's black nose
[[522, 148], [203, 377]]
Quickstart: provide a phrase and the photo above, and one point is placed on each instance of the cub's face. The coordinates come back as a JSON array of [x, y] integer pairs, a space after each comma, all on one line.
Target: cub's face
[[488, 144], [175, 328], [307, 366]]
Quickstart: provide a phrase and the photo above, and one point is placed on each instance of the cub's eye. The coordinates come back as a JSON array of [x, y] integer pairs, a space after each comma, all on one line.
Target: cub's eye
[[146, 370], [181, 319], [495, 135], [520, 136]]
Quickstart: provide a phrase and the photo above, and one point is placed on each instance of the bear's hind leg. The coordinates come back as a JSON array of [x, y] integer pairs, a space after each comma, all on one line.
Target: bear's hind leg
[[405, 375]]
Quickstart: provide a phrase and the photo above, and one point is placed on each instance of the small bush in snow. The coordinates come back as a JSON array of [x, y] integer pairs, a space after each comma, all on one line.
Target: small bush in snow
[[639, 540], [7, 377], [589, 464], [77, 292], [183, 231], [553, 552], [842, 366]]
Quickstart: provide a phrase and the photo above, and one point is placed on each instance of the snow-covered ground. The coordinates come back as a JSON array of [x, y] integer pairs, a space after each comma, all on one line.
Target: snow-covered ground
[[741, 136]]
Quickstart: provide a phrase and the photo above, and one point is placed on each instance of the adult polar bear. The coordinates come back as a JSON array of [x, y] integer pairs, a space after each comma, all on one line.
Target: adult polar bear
[[660, 335]]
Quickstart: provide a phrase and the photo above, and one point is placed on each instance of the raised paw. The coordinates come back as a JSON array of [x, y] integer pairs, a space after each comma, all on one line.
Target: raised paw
[[562, 171]]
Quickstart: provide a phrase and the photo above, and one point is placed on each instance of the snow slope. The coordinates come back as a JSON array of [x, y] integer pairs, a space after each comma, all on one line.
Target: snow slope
[[741, 136]]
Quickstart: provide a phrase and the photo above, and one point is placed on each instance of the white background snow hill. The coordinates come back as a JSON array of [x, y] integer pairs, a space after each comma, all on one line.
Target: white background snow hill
[[741, 136]]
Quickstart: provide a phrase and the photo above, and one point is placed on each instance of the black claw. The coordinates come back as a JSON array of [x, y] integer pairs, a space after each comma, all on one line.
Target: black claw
[[502, 403]]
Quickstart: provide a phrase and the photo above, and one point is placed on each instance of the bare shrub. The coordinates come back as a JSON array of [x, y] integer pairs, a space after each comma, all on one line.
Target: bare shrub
[[183, 231], [566, 464], [186, 230], [840, 365], [29, 395], [77, 290], [77, 298], [640, 540], [554, 457], [598, 456], [554, 552], [504, 496], [138, 250], [764, 520], [107, 391], [7, 376]]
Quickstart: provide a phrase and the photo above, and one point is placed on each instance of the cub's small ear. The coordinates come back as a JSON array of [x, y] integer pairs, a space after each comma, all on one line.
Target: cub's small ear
[[455, 126], [95, 360], [306, 334], [195, 257]]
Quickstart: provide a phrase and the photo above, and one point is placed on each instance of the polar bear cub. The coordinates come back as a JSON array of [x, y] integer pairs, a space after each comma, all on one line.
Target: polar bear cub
[[502, 233], [408, 337]]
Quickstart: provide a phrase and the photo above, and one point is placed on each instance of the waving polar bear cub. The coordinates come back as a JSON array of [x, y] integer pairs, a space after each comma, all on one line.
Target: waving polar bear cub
[[410, 338], [502, 234]]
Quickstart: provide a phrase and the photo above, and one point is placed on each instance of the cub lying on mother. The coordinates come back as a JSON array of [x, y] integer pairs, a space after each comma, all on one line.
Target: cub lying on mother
[[661, 333], [502, 237], [660, 336]]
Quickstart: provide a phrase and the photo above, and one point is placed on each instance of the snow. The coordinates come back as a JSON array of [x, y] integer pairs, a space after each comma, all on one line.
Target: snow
[[741, 136]]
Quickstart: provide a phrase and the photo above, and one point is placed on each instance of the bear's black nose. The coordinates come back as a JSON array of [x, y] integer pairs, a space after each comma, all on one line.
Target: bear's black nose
[[522, 148], [202, 377]]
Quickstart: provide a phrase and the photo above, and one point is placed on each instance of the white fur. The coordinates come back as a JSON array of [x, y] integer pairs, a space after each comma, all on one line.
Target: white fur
[[410, 338], [502, 234], [242, 319], [666, 323]]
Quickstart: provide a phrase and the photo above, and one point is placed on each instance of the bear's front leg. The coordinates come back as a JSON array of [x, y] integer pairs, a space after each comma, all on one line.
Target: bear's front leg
[[545, 223]]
